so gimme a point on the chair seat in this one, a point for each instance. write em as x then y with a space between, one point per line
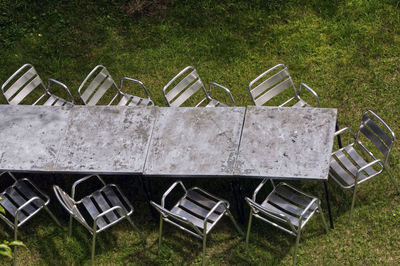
130 100
345 163
301 103
15 196
285 201
195 206
101 201
215 103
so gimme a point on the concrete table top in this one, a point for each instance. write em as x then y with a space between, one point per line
106 139
195 141
31 136
286 143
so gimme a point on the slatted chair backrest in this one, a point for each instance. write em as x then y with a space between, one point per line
189 83
377 131
70 205
98 87
26 81
271 83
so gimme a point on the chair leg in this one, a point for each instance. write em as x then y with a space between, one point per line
393 180
15 247
204 249
70 226
352 203
160 236
234 222
93 246
52 216
322 216
248 229
296 247
137 229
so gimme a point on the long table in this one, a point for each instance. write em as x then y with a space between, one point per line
257 142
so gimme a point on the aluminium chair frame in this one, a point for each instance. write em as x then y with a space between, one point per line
271 81
185 224
374 161
88 97
70 205
14 91
179 94
33 198
277 216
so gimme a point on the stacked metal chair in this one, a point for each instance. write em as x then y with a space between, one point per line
186 84
275 81
99 87
21 201
196 212
97 211
286 208
365 157
27 82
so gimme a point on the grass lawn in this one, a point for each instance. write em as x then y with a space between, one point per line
347 51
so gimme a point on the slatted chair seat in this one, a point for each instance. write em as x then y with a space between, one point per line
286 208
355 163
276 81
99 88
197 212
27 82
97 211
21 201
186 85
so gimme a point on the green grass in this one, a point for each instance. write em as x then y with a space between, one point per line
347 51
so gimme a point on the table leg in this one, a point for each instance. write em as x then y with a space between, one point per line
238 199
339 139
328 204
148 191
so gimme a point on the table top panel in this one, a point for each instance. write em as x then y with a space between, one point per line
195 141
31 137
106 139
286 143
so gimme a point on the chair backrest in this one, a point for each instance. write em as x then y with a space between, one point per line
377 131
188 83
271 83
69 205
99 88
22 83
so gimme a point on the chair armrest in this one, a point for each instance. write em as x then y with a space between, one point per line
259 188
210 84
169 191
36 198
134 81
307 208
76 183
49 81
310 90
221 202
108 211
377 161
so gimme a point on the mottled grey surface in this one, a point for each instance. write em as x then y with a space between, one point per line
287 143
106 139
31 136
195 141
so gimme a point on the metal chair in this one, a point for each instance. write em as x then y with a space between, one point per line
275 81
99 87
286 208
186 84
356 162
26 81
97 211
21 201
196 212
